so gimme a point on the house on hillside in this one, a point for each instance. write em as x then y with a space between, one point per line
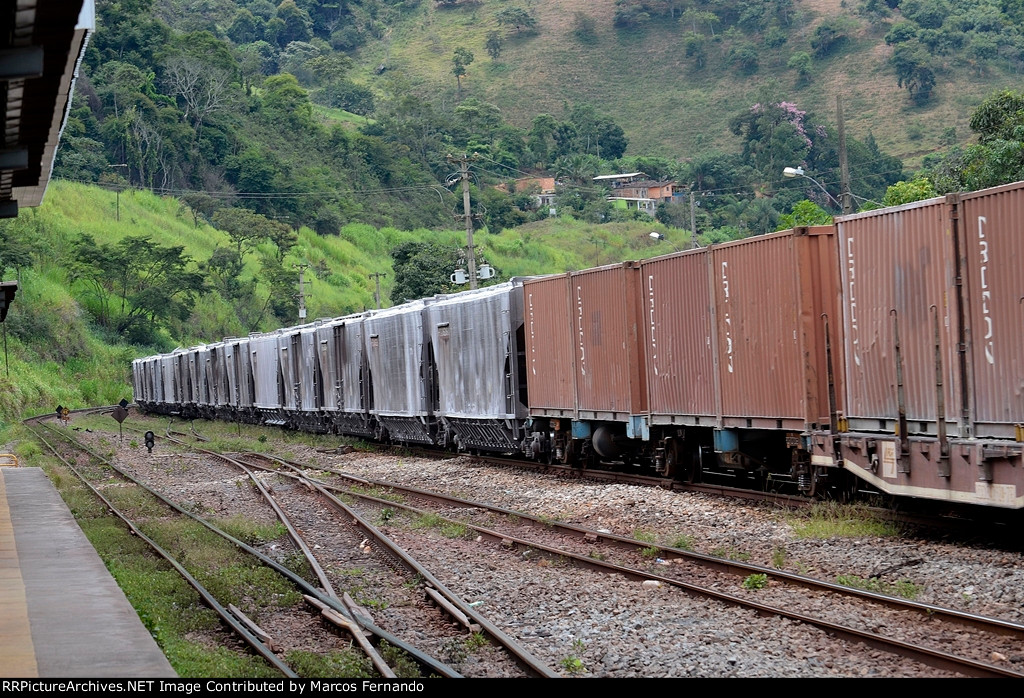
542 189
636 191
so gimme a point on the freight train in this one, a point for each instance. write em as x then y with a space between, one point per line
885 349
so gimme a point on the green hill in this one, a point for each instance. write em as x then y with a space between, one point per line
668 105
60 353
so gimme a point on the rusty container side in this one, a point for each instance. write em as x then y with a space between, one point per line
677 338
993 248
822 309
769 316
898 271
549 346
611 380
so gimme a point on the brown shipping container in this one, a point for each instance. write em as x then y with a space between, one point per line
609 360
993 246
678 340
773 294
898 268
549 346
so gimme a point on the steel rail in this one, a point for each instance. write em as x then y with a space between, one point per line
743 569
523 656
229 618
924 655
423 659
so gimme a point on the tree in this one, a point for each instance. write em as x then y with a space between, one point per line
998 157
297 24
203 88
246 229
422 269
493 44
201 204
745 56
696 48
804 212
136 283
283 301
461 58
1000 117
913 71
500 211
830 34
244 27
693 17
284 98
15 251
802 63
906 192
516 17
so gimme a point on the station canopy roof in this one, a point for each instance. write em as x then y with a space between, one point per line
41 45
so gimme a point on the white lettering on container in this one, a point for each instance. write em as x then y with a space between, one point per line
726 319
986 294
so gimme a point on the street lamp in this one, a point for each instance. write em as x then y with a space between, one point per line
661 236
799 172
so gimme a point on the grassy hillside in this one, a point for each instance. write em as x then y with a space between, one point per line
59 355
666 105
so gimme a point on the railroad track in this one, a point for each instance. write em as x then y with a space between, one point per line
369 537
942 638
647 562
101 475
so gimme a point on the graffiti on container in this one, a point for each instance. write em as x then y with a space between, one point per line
986 294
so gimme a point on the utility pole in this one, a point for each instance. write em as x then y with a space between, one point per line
844 170
118 191
376 275
693 224
467 215
302 289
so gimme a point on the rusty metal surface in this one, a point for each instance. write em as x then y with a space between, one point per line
611 379
549 345
771 292
677 318
993 248
898 273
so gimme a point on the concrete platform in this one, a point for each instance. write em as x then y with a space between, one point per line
61 613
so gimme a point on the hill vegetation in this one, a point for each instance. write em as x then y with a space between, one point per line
216 151
91 297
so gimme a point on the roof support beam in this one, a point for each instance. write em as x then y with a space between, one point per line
20 63
14 159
